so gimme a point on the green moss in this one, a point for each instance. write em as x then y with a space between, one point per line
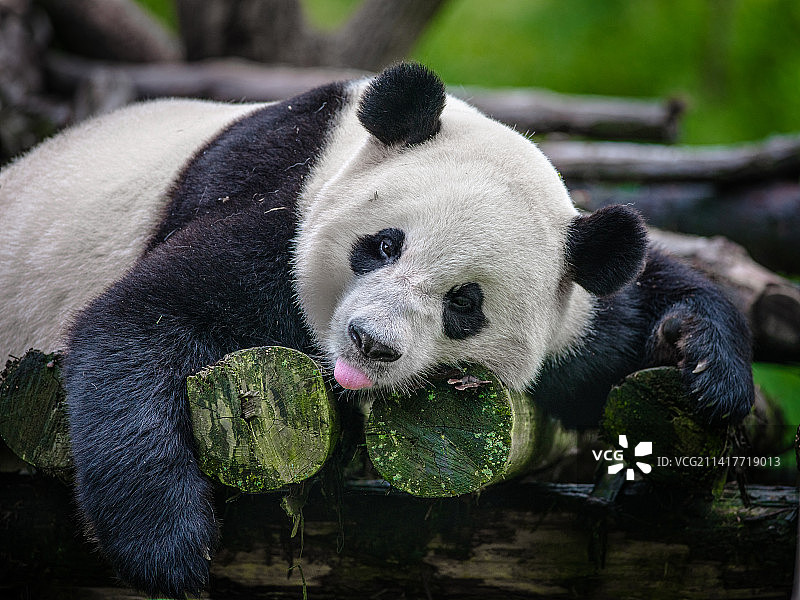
262 418
651 405
443 441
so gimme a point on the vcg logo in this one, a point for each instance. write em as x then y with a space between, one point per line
617 458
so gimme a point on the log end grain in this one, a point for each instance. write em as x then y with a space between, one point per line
33 412
452 437
262 418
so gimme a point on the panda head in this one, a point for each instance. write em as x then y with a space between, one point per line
432 235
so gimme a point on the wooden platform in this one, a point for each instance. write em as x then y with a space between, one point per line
516 540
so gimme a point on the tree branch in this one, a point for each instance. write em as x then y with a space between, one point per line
112 30
381 32
763 216
236 79
617 161
276 32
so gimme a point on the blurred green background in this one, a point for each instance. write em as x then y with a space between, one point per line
736 64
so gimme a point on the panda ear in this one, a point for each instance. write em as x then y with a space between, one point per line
606 250
403 104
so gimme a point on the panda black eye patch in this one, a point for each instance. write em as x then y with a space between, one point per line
462 314
372 252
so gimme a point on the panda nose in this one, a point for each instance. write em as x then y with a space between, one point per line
370 347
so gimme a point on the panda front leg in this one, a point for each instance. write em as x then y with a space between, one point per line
651 311
697 329
137 483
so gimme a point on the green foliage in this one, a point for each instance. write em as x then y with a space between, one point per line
782 383
329 14
163 10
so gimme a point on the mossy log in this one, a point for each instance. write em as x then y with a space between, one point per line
520 539
457 435
33 412
262 418
651 406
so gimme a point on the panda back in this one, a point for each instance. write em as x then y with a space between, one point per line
82 207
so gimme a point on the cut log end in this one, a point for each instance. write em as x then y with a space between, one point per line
33 412
652 405
262 418
453 437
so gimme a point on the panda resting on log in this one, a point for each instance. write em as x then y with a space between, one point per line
379 224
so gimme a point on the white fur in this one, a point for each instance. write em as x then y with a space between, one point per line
78 210
478 203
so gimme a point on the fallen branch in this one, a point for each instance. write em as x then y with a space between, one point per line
652 405
459 435
221 79
764 217
236 79
112 30
541 112
262 418
618 161
33 413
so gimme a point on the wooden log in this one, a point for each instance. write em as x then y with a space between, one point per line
33 412
276 31
262 418
649 415
517 540
112 30
770 302
778 156
459 435
762 216
236 79
220 79
539 112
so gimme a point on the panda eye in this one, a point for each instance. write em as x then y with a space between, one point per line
387 248
462 314
372 252
461 302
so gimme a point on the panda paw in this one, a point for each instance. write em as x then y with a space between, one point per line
714 359
166 568
157 532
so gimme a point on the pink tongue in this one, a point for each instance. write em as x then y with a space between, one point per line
349 377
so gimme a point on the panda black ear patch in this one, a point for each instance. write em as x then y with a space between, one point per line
606 250
403 104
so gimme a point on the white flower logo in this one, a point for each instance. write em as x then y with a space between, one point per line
642 449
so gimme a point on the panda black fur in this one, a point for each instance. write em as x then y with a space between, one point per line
382 225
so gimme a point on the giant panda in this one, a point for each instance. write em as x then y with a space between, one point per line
379 224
